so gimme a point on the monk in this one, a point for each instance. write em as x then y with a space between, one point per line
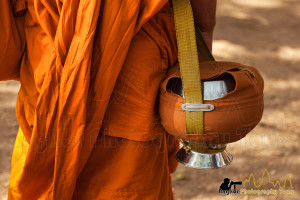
87 106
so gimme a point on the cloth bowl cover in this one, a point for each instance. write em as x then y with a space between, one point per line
234 115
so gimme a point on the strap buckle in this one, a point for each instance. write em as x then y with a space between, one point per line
197 107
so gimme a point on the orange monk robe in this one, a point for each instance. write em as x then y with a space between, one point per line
134 163
75 51
12 40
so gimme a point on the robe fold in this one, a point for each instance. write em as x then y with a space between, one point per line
12 39
78 53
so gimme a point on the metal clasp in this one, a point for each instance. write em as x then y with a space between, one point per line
197 107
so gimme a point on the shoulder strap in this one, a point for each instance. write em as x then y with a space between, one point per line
189 64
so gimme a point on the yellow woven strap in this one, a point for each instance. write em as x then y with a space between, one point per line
189 64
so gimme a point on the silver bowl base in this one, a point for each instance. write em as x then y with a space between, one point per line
203 161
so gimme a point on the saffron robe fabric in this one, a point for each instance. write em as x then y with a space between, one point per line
74 54
12 40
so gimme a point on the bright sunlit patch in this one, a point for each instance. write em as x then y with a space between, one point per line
239 15
289 54
227 50
260 3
